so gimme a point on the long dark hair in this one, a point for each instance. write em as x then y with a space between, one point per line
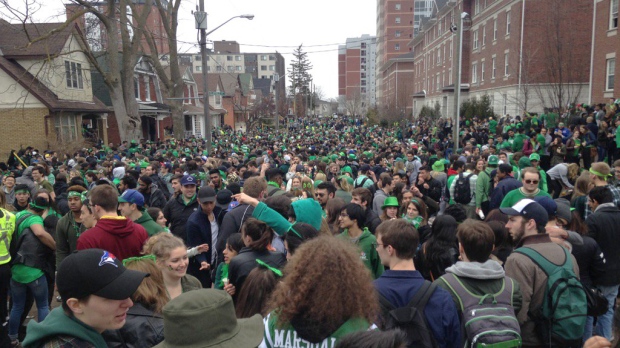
255 292
259 232
443 238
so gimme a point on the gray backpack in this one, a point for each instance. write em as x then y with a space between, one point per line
489 320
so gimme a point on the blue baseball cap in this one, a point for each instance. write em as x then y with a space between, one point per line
529 209
188 180
132 197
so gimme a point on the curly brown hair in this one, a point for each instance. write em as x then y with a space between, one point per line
336 288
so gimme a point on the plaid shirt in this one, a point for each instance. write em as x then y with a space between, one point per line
67 342
472 187
614 191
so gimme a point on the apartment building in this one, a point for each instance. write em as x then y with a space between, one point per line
525 55
356 71
605 49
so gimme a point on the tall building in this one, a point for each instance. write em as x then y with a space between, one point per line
606 47
356 72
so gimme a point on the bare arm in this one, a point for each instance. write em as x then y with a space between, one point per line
43 236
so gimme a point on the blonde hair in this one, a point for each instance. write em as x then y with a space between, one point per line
320 176
307 186
151 293
162 244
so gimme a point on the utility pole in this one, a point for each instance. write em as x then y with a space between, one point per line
202 26
457 85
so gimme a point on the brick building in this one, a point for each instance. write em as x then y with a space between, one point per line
605 49
356 73
521 54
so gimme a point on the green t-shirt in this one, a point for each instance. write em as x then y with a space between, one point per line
577 147
22 273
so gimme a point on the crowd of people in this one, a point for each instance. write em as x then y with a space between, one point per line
332 234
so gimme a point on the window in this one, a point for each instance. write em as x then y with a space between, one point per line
147 88
507 22
474 73
230 69
363 75
73 73
263 68
136 87
272 57
495 29
493 68
476 39
238 58
397 33
438 56
397 7
397 20
363 90
611 73
482 72
363 53
198 68
272 68
450 76
218 68
397 47
437 86
505 103
238 68
506 72
263 57
363 45
363 82
613 20
65 128
484 35
229 58
477 7
198 58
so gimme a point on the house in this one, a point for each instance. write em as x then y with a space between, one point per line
47 98
219 115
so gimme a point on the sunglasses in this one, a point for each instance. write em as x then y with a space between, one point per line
535 182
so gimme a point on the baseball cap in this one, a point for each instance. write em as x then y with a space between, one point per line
206 194
493 160
132 197
96 272
563 211
548 203
529 209
223 198
534 157
188 180
365 168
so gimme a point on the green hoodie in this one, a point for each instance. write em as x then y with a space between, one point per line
56 324
306 210
287 336
368 253
152 228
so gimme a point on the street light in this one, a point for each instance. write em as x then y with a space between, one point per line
201 24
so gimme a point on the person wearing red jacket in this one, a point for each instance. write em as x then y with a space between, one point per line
116 234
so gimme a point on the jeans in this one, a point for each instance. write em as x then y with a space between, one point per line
18 294
587 332
604 322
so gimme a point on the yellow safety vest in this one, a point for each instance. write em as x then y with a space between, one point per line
7 229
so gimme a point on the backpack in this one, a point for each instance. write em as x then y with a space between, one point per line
490 319
372 189
462 189
410 318
562 317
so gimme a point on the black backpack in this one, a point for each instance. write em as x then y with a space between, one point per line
372 189
410 318
462 190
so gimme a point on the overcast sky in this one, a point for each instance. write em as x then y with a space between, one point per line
278 25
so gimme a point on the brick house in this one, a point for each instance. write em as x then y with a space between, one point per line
605 49
47 96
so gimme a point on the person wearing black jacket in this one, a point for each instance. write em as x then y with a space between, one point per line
362 197
152 170
254 187
602 227
428 187
153 196
178 210
203 228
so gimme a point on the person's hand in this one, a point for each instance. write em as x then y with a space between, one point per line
203 248
230 289
597 342
243 198
264 167
426 186
204 266
304 194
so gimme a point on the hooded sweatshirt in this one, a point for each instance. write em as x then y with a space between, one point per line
368 253
56 324
152 228
308 332
306 210
116 234
480 279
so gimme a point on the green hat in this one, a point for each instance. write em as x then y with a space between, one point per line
534 157
317 182
346 169
348 178
493 161
352 156
524 162
390 202
438 166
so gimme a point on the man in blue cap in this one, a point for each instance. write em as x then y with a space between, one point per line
178 209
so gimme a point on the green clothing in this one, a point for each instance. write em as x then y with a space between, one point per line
220 273
542 185
368 253
483 187
492 127
504 145
514 196
306 210
22 273
577 147
287 336
152 228
67 233
540 139
552 120
56 324
617 139
517 143
448 185
7 230
44 185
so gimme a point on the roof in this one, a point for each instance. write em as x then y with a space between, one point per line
212 79
44 94
15 39
230 84
264 85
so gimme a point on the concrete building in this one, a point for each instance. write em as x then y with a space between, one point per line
522 54
356 72
606 48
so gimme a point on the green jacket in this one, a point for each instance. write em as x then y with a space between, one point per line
287 336
492 127
517 144
306 210
56 324
152 228
483 186
542 185
514 196
368 253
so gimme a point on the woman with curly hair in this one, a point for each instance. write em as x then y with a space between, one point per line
321 312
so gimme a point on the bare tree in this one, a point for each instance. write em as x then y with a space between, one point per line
352 102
